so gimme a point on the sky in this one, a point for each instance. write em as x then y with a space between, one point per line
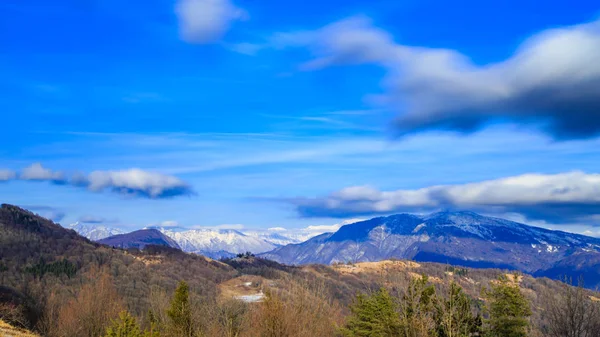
260 114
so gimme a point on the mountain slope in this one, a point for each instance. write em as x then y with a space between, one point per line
140 239
94 232
458 238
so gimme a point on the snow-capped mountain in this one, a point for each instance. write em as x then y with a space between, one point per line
94 232
458 238
217 243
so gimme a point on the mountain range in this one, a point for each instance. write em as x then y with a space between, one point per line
94 232
457 238
213 243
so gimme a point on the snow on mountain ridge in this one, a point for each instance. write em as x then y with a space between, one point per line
94 232
218 242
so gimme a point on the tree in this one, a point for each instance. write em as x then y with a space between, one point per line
91 312
454 314
508 310
180 313
373 316
571 313
416 308
126 326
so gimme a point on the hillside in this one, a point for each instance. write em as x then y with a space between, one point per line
38 258
457 238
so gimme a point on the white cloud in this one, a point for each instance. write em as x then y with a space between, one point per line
206 21
38 172
6 175
138 183
132 182
169 223
555 198
552 82
277 229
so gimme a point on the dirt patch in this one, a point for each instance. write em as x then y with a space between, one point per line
149 260
10 331
248 288
514 278
375 267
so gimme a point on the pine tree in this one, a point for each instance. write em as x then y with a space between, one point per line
373 316
179 313
508 310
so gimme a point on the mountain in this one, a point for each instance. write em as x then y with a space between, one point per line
457 238
94 232
217 243
140 239
213 243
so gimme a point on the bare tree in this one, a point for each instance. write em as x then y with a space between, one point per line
572 313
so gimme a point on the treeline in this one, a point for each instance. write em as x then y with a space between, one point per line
417 310
420 311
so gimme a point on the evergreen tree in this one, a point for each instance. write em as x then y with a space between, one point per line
180 313
508 310
125 326
373 316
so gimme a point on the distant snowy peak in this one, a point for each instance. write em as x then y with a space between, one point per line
94 232
217 242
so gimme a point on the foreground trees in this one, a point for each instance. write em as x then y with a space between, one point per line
508 310
421 312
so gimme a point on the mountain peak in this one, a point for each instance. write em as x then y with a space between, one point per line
139 239
456 237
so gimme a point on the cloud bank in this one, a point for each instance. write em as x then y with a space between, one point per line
132 182
206 21
551 83
558 198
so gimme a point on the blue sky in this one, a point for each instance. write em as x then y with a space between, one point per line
273 113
